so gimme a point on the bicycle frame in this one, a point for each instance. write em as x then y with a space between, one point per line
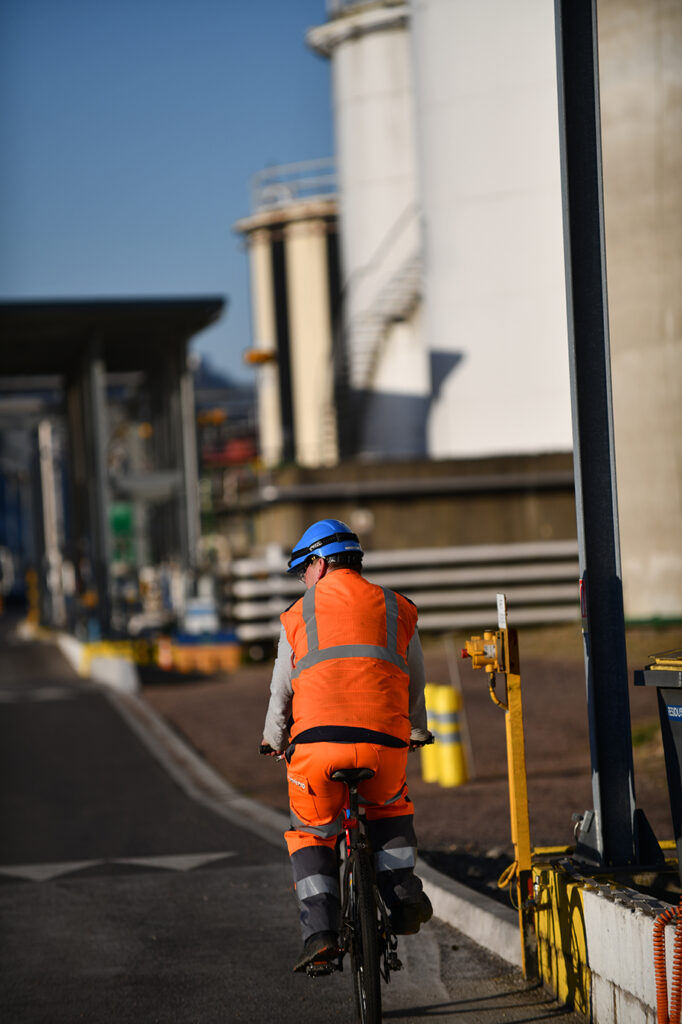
358 846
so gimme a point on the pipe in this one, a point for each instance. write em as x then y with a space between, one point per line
676 982
662 1015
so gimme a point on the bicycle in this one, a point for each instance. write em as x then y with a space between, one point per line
365 932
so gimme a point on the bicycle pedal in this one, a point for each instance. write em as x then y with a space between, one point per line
394 962
318 970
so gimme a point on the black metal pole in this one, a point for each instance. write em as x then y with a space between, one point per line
607 834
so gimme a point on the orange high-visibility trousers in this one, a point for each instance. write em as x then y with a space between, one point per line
317 818
317 802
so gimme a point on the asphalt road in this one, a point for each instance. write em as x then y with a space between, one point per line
122 899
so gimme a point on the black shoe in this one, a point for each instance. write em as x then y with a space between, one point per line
408 917
318 948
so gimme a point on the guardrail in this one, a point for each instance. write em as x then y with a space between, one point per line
287 183
453 588
335 8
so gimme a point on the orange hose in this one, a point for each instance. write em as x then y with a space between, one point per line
676 983
659 964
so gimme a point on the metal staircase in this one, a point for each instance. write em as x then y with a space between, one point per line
395 302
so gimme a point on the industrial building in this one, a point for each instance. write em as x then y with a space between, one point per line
449 330
99 458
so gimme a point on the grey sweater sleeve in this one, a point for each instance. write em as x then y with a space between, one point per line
276 729
415 664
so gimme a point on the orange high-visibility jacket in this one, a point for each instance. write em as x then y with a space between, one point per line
349 639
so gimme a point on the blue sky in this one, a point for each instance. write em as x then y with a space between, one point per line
130 129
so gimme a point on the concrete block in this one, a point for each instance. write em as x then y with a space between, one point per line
118 673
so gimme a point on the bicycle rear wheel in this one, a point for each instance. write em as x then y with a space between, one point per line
364 953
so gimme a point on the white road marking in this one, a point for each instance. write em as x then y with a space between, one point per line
43 872
181 862
175 862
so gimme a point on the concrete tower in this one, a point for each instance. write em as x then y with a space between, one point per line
640 54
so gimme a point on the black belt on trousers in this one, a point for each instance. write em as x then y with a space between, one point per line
344 734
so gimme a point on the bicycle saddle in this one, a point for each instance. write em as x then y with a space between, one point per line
352 775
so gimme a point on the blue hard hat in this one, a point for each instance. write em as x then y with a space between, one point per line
326 537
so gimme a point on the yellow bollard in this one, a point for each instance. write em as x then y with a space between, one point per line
430 755
452 769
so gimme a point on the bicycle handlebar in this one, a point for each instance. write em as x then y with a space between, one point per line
416 744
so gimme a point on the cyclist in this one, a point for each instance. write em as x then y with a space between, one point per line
347 691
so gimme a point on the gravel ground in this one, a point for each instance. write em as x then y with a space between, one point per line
462 831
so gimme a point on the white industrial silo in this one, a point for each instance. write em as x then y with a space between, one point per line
488 149
387 380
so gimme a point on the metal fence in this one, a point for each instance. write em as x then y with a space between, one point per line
453 588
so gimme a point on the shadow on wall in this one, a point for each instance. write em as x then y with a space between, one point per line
393 425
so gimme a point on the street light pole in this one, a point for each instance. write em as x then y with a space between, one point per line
607 833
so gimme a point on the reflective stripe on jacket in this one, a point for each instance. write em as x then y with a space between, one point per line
349 639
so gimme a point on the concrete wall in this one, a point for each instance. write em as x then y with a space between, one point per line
595 942
415 513
640 53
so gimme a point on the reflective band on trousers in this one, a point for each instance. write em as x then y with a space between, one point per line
314 885
397 857
386 803
322 831
315 656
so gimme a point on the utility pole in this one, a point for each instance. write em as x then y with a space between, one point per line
607 832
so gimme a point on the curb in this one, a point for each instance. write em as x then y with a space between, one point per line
116 672
480 918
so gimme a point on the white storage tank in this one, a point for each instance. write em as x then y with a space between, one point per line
387 371
495 310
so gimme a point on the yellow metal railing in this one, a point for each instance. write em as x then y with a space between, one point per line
498 652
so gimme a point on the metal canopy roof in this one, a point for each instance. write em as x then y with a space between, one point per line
48 337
